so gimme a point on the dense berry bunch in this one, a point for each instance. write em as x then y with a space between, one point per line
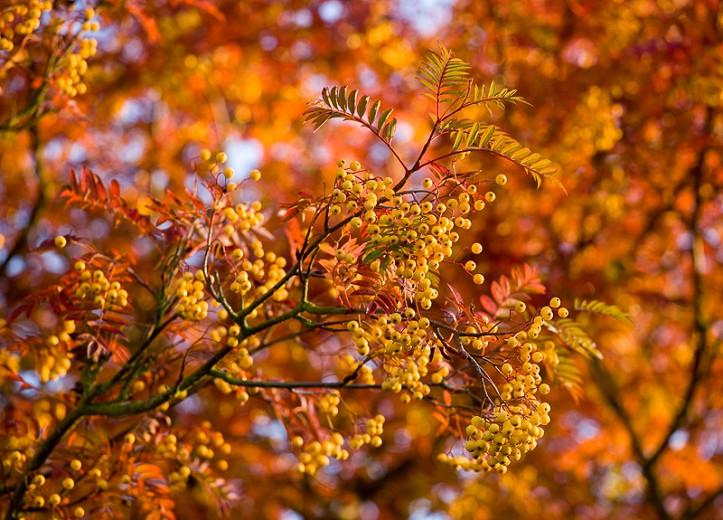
372 435
192 303
318 454
94 287
54 357
413 237
73 65
20 20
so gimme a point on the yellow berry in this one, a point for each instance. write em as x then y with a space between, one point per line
221 157
75 465
68 483
490 196
478 279
60 242
501 179
546 313
255 175
78 512
470 265
228 172
555 302
476 248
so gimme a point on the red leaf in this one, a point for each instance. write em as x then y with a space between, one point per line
489 305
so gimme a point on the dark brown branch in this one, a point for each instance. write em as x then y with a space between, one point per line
700 328
610 393
22 239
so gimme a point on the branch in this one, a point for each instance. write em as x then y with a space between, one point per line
610 393
292 385
22 239
693 512
700 327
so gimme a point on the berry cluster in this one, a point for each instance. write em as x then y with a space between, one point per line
54 358
408 238
191 296
373 435
213 164
21 20
257 277
404 345
46 494
73 66
95 287
506 436
316 454
329 403
515 424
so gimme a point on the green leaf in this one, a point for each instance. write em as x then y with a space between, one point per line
383 117
362 106
489 132
388 131
574 336
373 111
599 307
332 97
372 255
341 98
444 76
458 136
351 102
568 374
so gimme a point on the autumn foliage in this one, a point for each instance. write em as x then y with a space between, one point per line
361 260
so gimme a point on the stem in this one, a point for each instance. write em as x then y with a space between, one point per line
22 239
291 385
700 327
46 448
